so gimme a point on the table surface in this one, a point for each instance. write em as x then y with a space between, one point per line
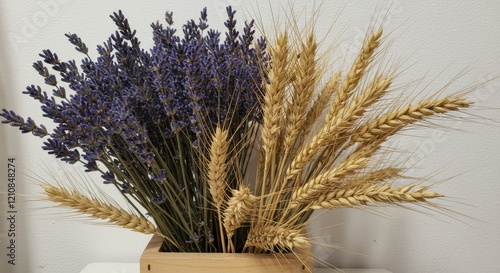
134 268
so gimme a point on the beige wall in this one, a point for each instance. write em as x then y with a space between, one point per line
428 38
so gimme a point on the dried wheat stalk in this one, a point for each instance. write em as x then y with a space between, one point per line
321 102
98 209
101 210
367 97
374 177
272 108
240 207
306 76
217 174
355 74
390 123
355 182
270 237
371 194
343 119
279 77
217 167
336 165
316 186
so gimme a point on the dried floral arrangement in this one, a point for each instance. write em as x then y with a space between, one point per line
173 128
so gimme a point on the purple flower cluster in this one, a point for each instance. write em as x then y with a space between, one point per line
128 97
143 117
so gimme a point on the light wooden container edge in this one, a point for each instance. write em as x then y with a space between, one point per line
154 261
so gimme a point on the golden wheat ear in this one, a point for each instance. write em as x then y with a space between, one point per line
371 195
239 209
270 236
396 119
95 208
356 73
217 166
274 94
217 174
319 104
316 186
305 76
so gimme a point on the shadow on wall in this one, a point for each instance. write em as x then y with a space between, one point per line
355 238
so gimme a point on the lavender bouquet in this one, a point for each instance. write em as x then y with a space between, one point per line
142 117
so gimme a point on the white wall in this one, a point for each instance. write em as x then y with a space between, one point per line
431 37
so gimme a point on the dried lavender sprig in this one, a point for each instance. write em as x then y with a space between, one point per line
137 115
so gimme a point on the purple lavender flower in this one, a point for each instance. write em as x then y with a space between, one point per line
140 116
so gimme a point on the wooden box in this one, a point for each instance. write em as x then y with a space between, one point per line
154 261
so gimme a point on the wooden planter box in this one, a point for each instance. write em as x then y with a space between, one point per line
154 261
